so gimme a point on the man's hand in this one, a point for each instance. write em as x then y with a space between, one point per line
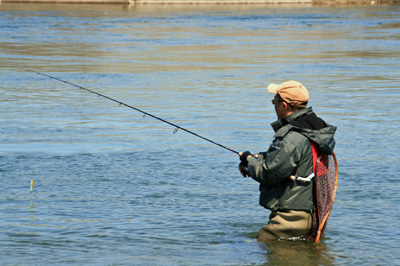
243 163
244 156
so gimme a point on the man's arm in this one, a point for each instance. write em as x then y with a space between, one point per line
278 164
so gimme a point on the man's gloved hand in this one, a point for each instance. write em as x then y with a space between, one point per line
243 157
243 163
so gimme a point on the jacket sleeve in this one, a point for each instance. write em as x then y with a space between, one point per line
279 163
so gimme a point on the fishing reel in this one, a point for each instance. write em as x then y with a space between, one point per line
243 169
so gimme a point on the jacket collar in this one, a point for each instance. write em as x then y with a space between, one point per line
277 125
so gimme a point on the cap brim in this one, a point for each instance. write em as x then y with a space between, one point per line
272 88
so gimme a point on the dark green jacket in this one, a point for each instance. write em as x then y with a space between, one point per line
291 154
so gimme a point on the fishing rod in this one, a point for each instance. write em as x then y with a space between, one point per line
137 109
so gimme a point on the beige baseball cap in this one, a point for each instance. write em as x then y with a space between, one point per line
292 92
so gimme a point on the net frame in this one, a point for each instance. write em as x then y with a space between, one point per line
325 187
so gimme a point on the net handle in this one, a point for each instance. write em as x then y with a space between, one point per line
322 223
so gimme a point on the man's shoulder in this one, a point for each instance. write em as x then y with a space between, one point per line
294 140
289 131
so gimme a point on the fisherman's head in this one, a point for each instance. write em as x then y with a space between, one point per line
290 96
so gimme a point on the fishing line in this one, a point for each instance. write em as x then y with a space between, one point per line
137 109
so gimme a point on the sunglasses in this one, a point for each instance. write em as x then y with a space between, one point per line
275 100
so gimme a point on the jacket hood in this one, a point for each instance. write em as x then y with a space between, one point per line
306 122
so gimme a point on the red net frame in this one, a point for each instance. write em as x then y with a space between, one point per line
325 187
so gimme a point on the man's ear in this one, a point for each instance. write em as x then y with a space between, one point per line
286 105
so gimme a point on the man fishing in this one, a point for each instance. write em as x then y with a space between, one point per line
285 171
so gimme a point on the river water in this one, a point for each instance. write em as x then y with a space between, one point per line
112 187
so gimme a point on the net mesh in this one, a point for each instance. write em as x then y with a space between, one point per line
325 185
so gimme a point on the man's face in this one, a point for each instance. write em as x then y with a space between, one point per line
279 106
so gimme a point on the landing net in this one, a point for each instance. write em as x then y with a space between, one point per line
325 186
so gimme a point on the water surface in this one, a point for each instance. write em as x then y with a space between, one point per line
115 188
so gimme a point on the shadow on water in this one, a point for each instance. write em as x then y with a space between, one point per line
296 253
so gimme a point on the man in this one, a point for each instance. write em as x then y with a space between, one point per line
285 171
